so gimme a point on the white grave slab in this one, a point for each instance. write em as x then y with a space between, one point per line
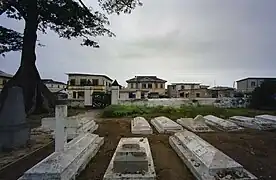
221 124
131 155
253 123
67 164
196 125
165 125
75 125
266 117
204 160
140 125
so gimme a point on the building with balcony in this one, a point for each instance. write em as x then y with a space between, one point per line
188 90
78 83
147 86
248 85
4 78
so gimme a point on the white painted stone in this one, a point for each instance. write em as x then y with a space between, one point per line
221 124
246 122
88 97
68 164
60 134
196 125
204 160
143 144
74 125
140 125
165 125
266 117
114 94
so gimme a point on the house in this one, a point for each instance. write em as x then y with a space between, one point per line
248 85
79 82
4 78
188 90
148 86
54 86
220 92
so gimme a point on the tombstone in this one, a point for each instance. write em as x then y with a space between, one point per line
115 88
132 160
14 130
69 163
204 160
266 117
221 124
165 125
196 125
140 125
246 122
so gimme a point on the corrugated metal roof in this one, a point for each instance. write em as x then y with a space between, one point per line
3 74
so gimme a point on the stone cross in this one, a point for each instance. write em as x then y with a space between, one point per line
60 132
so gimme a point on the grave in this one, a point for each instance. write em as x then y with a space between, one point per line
253 123
266 117
165 125
67 164
221 124
196 125
14 130
140 125
74 125
132 160
204 160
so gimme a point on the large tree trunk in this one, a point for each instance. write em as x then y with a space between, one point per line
36 94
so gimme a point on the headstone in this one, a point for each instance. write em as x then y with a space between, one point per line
196 125
69 163
60 133
140 125
115 88
14 130
204 160
221 124
165 125
132 160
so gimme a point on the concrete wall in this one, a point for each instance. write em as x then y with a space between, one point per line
75 103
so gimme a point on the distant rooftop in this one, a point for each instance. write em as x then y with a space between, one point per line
87 74
146 79
186 83
52 81
219 88
265 78
3 74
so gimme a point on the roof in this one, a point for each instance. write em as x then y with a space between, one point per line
264 78
221 88
146 79
51 81
3 74
87 74
115 83
183 83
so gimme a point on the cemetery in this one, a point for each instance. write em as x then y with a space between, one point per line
140 125
165 125
221 124
196 125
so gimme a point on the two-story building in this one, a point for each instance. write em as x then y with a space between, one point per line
247 85
149 86
188 90
4 78
79 82
222 92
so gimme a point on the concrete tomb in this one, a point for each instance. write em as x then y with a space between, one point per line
74 125
221 124
204 160
132 160
196 125
67 164
140 125
165 125
14 130
252 123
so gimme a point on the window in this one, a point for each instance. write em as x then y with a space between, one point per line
197 94
150 86
131 85
88 83
182 87
161 86
4 81
173 87
187 95
95 82
253 84
131 95
83 82
74 94
81 94
72 82
58 86
156 85
144 86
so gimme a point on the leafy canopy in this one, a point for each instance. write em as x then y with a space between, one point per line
68 18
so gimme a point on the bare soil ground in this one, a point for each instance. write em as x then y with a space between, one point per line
255 150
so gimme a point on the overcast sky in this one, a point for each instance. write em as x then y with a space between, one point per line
207 41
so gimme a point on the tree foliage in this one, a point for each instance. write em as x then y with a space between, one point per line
68 18
264 97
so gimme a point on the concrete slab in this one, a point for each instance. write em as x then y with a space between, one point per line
196 125
221 124
140 125
132 160
68 164
165 125
266 117
204 160
246 122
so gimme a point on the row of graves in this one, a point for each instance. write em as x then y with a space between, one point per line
132 158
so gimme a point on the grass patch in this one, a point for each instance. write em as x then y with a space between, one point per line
114 111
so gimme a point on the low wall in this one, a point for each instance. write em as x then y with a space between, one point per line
175 102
